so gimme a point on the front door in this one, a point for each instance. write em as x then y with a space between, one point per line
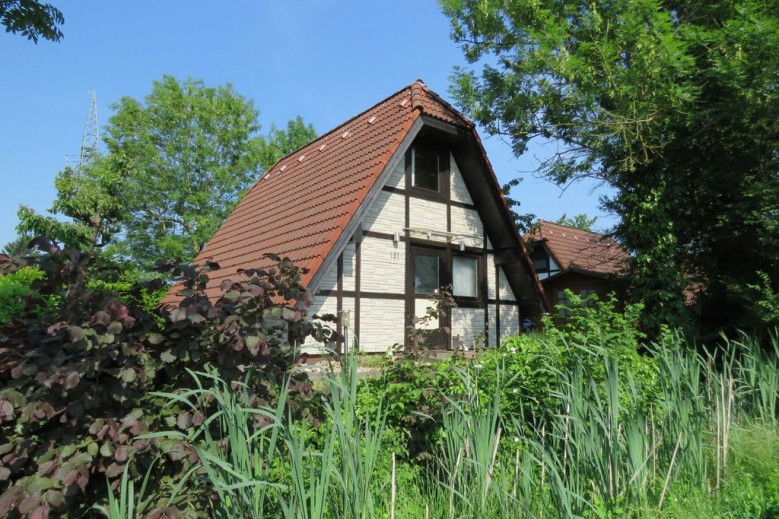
427 274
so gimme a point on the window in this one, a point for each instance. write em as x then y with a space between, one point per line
425 168
433 268
540 261
465 275
587 294
427 273
562 300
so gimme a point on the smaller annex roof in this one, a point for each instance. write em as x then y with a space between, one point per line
581 251
302 205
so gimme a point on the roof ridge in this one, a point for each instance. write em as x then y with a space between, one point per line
446 104
417 91
576 229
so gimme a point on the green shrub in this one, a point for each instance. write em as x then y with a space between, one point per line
15 290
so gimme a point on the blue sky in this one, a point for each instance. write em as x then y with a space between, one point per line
326 60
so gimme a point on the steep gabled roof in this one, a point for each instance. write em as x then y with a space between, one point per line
303 204
576 250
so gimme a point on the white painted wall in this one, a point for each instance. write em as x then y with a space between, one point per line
426 214
387 214
382 324
467 323
467 221
509 320
383 264
506 294
457 184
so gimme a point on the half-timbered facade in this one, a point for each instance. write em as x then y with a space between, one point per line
383 211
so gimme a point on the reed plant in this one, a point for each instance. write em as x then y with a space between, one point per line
609 444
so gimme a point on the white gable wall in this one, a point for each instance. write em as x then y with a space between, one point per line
379 299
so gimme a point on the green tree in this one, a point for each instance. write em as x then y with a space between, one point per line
579 221
279 143
186 154
91 198
673 104
19 246
176 165
32 19
522 221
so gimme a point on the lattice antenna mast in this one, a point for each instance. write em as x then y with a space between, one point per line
89 141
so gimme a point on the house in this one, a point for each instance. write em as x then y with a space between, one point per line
584 262
384 210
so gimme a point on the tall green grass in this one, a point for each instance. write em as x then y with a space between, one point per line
700 436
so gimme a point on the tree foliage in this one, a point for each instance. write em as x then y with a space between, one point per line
279 143
185 155
673 104
176 165
32 19
19 246
579 221
522 221
91 198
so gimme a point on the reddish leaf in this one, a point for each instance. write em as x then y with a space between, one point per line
72 380
56 327
178 314
9 499
102 317
121 454
29 503
114 470
42 512
76 333
70 478
47 468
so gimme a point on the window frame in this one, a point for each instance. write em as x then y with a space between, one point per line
442 269
444 170
478 261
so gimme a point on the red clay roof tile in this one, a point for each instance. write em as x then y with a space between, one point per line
578 250
302 204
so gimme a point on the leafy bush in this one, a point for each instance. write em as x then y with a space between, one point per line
15 289
531 365
77 386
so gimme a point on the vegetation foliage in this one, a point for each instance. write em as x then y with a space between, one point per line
32 19
104 408
77 380
177 162
579 221
672 104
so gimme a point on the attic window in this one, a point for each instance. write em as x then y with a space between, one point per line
425 168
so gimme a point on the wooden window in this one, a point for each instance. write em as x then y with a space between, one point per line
465 276
562 301
585 293
425 168
427 272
